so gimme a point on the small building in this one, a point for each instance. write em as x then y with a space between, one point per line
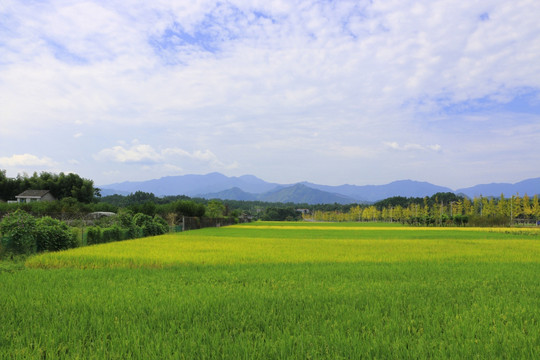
34 195
99 214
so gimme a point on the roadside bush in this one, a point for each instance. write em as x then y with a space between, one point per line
161 224
23 234
18 230
93 236
141 219
53 235
111 234
151 226
125 218
134 232
77 235
128 226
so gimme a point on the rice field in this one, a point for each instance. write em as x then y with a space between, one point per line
281 291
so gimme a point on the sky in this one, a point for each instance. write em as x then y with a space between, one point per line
331 92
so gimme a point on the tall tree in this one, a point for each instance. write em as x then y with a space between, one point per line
535 207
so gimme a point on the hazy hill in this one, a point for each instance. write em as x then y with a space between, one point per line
371 193
231 194
249 187
530 187
193 185
300 193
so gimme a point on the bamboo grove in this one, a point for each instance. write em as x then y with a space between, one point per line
435 211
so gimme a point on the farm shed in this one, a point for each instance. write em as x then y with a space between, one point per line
34 195
99 214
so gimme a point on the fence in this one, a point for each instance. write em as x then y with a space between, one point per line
83 221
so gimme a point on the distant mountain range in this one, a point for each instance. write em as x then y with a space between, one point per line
249 187
298 193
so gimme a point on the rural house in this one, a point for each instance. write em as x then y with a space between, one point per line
34 195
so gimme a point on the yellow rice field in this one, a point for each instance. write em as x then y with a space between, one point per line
260 244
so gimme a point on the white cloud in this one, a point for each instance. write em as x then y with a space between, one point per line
250 80
135 154
412 147
26 160
146 154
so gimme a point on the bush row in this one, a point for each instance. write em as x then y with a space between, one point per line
24 234
128 226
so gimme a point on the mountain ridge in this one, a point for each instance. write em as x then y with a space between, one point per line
250 187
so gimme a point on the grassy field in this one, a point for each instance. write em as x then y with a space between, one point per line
281 290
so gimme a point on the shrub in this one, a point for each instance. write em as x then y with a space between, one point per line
141 219
93 236
125 218
19 230
150 226
111 234
134 232
161 224
53 235
497 220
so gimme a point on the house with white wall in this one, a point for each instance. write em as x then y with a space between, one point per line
34 195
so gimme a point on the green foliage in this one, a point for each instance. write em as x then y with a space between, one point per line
61 186
19 232
110 234
26 235
125 218
215 209
54 235
148 208
93 235
496 220
281 214
404 202
126 226
141 220
98 235
151 226
186 208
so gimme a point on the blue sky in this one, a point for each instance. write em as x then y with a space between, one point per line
332 92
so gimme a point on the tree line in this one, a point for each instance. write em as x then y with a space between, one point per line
60 185
442 209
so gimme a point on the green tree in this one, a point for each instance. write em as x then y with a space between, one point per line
527 210
535 208
215 209
186 208
503 208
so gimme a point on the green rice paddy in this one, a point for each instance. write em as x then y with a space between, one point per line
280 291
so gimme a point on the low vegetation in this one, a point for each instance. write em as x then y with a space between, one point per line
23 234
441 209
281 290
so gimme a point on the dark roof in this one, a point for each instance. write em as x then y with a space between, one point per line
28 193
